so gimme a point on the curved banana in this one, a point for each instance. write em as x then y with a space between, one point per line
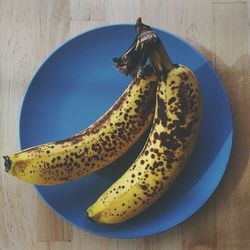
94 148
170 143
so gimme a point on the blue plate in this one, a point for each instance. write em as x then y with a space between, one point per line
77 84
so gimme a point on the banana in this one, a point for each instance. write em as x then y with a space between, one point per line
169 145
97 146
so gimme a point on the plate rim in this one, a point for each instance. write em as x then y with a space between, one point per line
227 157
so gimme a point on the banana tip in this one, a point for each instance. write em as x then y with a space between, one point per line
90 218
7 163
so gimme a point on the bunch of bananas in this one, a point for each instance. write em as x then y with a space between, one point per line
164 96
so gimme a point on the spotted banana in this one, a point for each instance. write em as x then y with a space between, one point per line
169 145
98 145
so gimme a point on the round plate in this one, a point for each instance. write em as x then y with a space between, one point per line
77 84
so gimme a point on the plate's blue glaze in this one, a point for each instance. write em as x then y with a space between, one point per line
77 84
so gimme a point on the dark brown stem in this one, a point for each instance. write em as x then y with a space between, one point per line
158 55
134 58
147 45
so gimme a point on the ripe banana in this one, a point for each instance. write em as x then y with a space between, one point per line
94 148
169 145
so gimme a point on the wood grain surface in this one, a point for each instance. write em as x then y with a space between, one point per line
30 30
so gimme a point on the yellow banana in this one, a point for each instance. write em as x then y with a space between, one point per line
170 143
94 148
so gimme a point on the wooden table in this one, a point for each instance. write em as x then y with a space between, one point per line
219 29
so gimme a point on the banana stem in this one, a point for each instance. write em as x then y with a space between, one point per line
157 54
147 45
134 58
160 59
